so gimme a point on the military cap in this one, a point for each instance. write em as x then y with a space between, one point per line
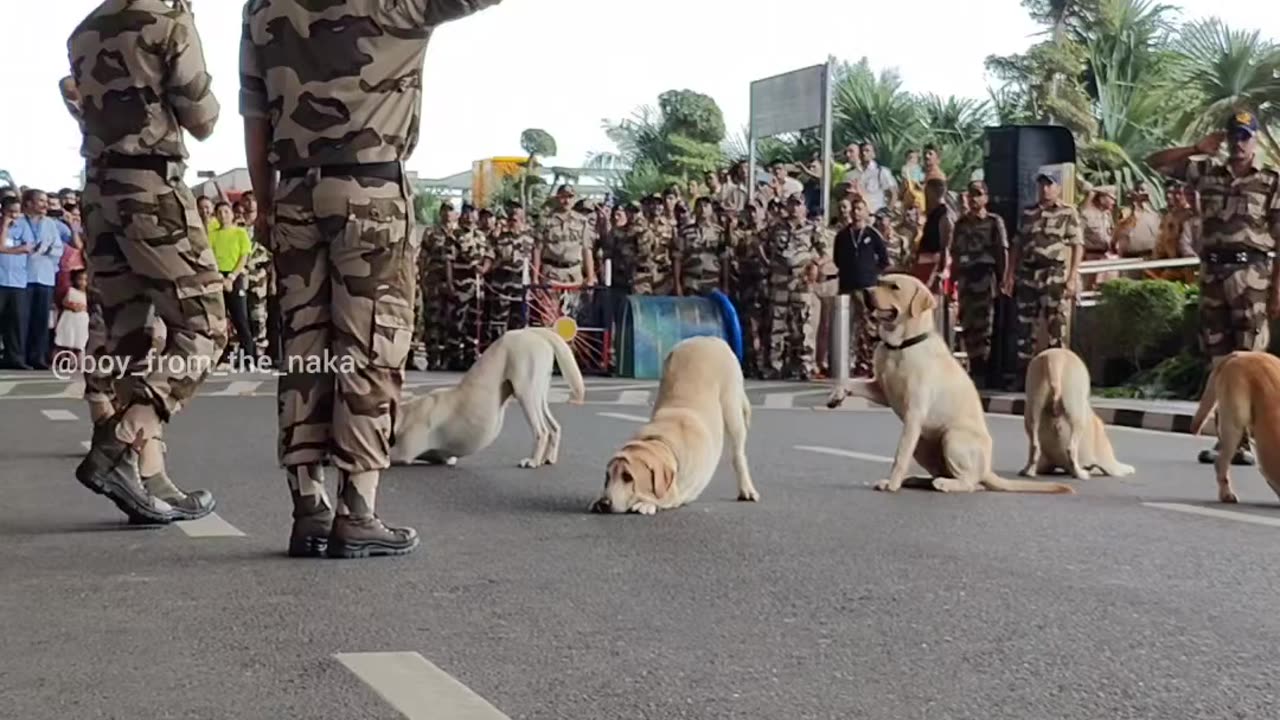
1243 121
468 207
1108 190
565 190
1049 175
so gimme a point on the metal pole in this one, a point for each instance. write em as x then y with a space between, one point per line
751 147
827 85
838 347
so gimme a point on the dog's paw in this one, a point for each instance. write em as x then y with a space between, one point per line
946 485
1028 471
644 508
527 463
1227 497
451 461
836 399
1123 470
751 495
885 486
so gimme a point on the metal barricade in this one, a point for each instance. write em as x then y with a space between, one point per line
838 352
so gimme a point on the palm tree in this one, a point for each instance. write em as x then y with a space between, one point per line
956 126
875 108
1228 70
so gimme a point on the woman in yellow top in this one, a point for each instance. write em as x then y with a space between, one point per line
232 248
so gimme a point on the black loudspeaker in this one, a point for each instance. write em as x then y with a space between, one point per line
1014 156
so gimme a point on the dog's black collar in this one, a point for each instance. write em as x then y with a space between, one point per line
908 342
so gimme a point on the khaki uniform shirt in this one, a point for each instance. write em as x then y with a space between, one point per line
1237 213
1048 234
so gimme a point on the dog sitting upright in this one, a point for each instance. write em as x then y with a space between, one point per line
943 425
1245 390
449 423
1063 431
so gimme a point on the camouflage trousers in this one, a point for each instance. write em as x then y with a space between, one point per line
754 315
1233 307
865 337
430 319
1041 294
467 303
694 284
976 288
345 267
258 275
504 307
792 336
148 257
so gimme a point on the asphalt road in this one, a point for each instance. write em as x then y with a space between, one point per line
825 600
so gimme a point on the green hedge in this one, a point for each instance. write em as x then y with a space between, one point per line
1153 326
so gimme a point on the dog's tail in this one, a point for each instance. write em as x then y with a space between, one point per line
995 482
1055 387
1208 400
568 364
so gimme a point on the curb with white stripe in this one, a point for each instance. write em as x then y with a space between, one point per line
1160 421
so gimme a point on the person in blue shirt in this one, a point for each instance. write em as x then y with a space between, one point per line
45 237
13 288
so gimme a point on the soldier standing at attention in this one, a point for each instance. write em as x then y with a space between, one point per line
751 288
147 249
1045 266
512 253
659 239
331 94
1240 226
433 277
563 254
701 251
796 251
981 251
469 258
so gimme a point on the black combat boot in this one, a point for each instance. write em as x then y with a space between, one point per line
111 468
354 537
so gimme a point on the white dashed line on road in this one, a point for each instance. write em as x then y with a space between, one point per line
779 401
1214 513
209 526
418 689
845 453
6 387
238 388
74 390
86 445
624 416
60 415
633 397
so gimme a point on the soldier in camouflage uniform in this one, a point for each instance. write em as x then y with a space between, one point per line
1045 265
258 275
701 250
512 257
433 279
147 250
334 108
660 243
796 249
980 248
564 252
1240 226
751 289
469 259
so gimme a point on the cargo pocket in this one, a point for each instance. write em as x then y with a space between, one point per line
377 268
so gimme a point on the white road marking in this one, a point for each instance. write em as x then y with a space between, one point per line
73 390
59 415
86 445
779 401
1214 513
845 453
623 416
556 395
625 386
238 388
633 397
5 387
211 525
418 689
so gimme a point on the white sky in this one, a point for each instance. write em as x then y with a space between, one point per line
561 65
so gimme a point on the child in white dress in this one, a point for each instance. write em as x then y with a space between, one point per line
72 332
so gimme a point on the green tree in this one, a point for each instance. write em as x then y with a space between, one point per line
535 143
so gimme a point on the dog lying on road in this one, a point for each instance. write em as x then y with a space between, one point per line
449 423
943 426
670 460
1063 431
1245 390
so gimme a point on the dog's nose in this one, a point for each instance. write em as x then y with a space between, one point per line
602 506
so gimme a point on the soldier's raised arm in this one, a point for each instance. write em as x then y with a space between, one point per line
188 86
429 13
1174 162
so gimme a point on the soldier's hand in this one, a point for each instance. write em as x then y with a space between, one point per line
1006 287
1210 143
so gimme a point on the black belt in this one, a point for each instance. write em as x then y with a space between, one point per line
158 164
389 171
1242 256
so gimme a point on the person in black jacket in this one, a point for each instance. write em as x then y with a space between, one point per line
860 255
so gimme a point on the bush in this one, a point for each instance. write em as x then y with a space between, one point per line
1140 317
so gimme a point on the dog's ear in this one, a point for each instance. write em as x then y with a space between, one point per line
921 302
664 470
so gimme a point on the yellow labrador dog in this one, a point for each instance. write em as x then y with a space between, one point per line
449 423
943 426
1245 390
670 460
1063 431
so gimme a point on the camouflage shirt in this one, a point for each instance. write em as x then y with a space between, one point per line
139 69
702 249
341 82
511 252
793 249
979 240
750 263
623 252
468 251
1048 234
1237 212
565 241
